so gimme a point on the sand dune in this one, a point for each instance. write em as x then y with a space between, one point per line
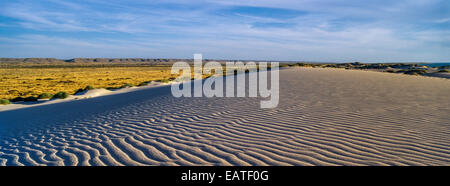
82 95
325 117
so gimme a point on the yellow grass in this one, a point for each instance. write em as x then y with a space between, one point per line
24 82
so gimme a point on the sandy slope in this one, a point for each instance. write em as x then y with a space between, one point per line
325 117
83 95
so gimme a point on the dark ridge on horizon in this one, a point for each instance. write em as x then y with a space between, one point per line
167 60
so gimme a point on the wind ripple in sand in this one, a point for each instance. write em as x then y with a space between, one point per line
325 117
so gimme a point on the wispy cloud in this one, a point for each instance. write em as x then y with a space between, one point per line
443 20
319 30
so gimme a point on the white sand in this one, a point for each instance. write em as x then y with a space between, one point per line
83 95
325 117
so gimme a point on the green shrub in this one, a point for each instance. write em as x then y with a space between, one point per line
45 96
444 71
126 85
89 87
4 102
60 95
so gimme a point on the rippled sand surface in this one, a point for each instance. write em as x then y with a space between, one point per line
325 117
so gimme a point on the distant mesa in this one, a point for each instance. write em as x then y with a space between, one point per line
104 60
88 60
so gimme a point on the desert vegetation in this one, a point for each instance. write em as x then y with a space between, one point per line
4 102
33 81
60 95
40 78
45 96
402 68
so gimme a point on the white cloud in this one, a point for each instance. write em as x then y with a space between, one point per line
443 20
328 31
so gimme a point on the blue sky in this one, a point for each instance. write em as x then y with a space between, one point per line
297 30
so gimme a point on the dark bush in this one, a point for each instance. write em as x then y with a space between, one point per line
89 87
127 85
30 99
60 95
415 72
390 71
18 99
45 96
164 81
144 83
79 91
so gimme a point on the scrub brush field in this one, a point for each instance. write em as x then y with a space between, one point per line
34 81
